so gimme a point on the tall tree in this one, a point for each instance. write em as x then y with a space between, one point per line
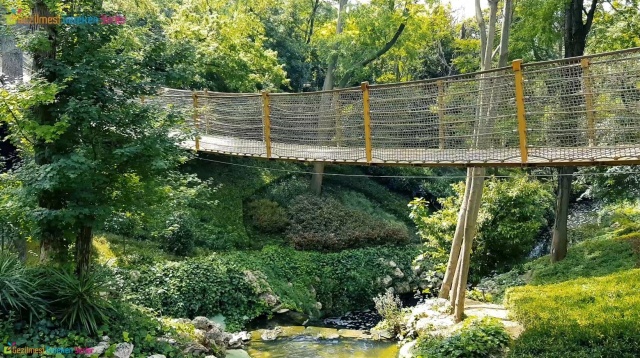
456 275
84 147
578 22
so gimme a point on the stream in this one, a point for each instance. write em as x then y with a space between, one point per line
310 347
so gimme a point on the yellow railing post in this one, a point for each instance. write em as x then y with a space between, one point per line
195 119
522 120
441 113
266 121
588 96
367 120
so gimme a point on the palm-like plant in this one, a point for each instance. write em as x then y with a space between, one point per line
80 301
20 289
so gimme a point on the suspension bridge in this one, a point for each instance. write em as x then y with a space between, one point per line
577 111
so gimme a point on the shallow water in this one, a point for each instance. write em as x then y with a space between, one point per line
309 347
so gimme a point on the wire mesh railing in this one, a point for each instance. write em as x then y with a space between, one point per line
579 110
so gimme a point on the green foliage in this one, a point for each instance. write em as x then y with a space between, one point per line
511 215
389 307
267 216
483 338
584 317
178 237
324 224
79 302
20 289
198 287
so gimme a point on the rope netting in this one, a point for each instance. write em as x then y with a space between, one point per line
575 110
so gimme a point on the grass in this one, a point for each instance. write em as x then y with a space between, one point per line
587 305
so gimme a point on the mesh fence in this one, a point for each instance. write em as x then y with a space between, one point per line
576 110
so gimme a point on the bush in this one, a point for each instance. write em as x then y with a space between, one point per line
79 302
324 224
267 216
389 307
19 288
512 214
476 339
178 237
198 287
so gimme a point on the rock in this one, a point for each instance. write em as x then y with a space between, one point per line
318 306
271 335
392 264
171 341
406 351
202 323
123 350
237 353
283 310
237 339
293 318
398 273
402 287
100 348
181 320
387 281
194 348
157 356
417 270
381 334
105 339
270 299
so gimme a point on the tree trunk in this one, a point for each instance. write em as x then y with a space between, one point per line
318 168
83 249
12 63
559 241
452 265
575 40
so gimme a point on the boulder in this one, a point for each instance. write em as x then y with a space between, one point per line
402 288
194 348
271 334
100 348
202 323
123 350
157 356
406 351
398 273
270 299
392 264
387 281
318 306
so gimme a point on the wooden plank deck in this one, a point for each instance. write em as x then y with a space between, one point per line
496 157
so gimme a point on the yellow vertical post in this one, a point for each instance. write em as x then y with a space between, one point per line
367 120
195 119
588 96
522 120
441 113
266 121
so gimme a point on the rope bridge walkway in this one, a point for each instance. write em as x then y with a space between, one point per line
578 111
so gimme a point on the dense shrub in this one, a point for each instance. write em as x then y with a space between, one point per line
325 224
484 338
178 236
198 287
511 216
267 216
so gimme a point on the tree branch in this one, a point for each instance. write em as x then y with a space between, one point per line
345 79
590 15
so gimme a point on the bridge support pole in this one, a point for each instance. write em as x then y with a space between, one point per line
195 120
441 113
522 120
266 122
588 99
367 120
